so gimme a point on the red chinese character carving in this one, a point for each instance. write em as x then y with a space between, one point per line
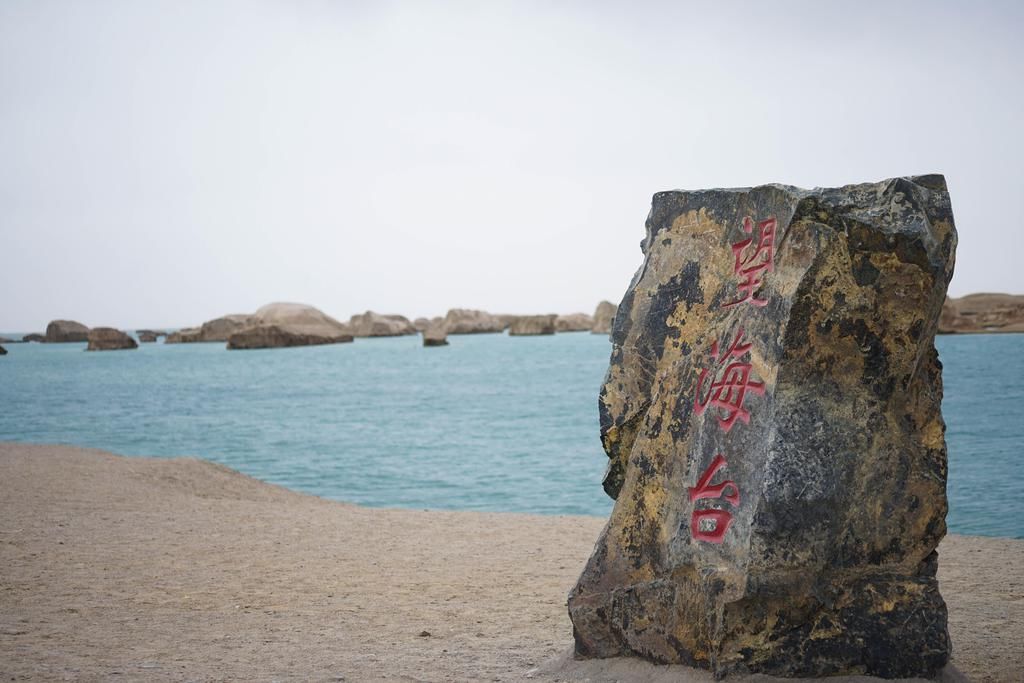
728 393
749 264
704 489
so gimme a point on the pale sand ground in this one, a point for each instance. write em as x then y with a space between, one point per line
147 569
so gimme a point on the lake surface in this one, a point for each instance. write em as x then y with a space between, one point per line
487 423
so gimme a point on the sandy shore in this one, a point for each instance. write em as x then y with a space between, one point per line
118 568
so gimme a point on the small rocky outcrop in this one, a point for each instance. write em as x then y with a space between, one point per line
506 320
771 415
531 325
186 335
281 325
982 313
574 322
372 324
278 336
149 335
435 335
34 337
604 316
216 330
466 321
220 329
3 351
65 331
109 339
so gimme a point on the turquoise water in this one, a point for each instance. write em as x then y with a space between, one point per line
488 423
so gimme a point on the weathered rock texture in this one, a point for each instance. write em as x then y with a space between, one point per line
983 313
530 325
286 324
435 335
421 324
372 324
604 316
831 499
34 337
62 331
574 322
216 330
465 321
109 339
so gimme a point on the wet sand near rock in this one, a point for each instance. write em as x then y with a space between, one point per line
116 568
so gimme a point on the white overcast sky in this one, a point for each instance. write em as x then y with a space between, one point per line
163 163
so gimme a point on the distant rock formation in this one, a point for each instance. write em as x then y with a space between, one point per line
5 340
530 325
285 324
574 322
150 335
278 336
186 335
466 321
976 313
421 324
435 335
506 320
64 331
216 330
372 324
109 339
34 337
604 316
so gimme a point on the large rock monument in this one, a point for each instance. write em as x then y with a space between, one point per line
772 417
